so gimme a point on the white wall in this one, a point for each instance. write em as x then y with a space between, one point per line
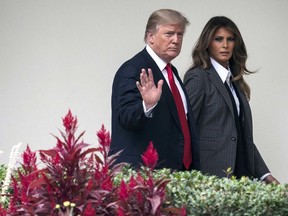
61 54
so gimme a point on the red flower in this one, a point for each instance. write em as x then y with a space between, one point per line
139 179
132 182
107 184
123 193
103 137
69 122
89 210
150 156
29 160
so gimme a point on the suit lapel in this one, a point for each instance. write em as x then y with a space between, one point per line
216 80
167 95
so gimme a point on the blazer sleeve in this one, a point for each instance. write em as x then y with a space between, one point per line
127 99
260 166
256 161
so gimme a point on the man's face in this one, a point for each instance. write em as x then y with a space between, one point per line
166 41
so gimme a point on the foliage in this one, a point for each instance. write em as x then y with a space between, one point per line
3 169
142 189
210 195
72 179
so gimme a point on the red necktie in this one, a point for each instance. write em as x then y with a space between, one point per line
187 159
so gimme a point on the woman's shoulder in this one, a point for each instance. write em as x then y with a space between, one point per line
196 71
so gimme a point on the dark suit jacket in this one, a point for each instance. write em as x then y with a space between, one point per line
132 130
215 120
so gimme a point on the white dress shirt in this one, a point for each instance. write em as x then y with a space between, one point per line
225 76
161 64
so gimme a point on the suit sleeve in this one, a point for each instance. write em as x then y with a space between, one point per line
127 98
260 168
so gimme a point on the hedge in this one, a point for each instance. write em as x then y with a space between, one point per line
210 195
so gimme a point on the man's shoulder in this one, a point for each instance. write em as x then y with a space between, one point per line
139 60
132 66
137 57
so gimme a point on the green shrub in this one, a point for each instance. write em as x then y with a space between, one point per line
210 195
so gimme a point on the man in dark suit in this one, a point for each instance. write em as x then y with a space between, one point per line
144 110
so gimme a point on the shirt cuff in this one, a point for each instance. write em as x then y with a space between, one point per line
264 176
148 113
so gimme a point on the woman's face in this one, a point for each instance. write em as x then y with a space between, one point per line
222 45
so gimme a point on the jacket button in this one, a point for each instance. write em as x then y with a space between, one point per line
233 138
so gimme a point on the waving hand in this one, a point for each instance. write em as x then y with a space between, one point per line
149 91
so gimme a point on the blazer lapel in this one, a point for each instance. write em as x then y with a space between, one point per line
216 80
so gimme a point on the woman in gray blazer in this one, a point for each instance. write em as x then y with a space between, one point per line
219 99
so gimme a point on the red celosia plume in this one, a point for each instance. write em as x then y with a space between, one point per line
150 156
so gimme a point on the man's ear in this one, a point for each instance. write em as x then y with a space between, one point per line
150 37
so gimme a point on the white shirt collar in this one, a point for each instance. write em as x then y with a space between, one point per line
222 71
160 63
